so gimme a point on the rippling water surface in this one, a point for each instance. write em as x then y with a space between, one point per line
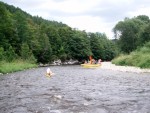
74 89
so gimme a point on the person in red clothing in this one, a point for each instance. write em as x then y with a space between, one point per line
90 57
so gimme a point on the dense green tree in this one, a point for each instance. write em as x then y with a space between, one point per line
143 18
54 40
1 54
6 28
145 35
102 47
96 46
25 36
44 52
64 36
10 54
127 32
79 46
110 51
26 53
21 28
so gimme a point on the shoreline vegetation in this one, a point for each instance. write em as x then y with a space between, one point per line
20 65
33 38
26 41
17 65
138 58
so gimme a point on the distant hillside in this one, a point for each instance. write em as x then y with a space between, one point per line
36 39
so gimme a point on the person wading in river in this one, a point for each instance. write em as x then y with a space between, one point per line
49 72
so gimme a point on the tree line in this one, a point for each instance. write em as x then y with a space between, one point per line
133 40
132 33
35 39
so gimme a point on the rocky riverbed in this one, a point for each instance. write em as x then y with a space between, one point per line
74 89
109 65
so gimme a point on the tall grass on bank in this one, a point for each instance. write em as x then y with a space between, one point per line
17 65
139 58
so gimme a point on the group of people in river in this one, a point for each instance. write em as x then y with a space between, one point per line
93 61
49 73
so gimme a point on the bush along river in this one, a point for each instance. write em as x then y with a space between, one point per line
74 89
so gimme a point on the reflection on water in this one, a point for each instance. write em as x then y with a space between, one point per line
74 89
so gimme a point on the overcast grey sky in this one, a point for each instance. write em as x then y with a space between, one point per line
89 15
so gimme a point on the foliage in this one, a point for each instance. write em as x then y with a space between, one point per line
1 54
33 38
101 47
138 58
10 54
17 65
26 53
131 33
145 35
133 39
79 46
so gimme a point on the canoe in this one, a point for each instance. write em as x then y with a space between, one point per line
90 65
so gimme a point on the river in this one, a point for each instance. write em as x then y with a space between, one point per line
74 89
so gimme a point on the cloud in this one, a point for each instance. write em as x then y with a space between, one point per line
89 15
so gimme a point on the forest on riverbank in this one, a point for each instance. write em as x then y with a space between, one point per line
32 40
133 41
36 40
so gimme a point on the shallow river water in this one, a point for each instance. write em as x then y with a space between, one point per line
74 89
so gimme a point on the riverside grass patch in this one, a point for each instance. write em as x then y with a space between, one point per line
134 59
145 61
17 65
139 58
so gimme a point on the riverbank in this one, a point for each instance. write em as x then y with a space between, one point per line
20 65
17 65
109 65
